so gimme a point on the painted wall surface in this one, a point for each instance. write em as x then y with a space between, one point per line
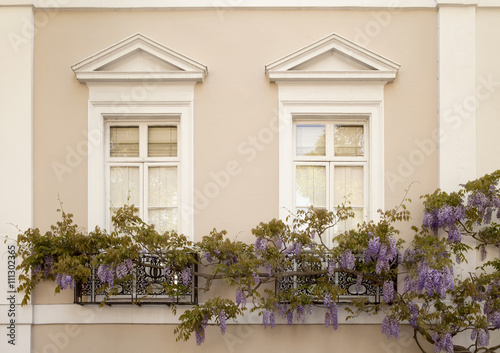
232 106
248 338
488 90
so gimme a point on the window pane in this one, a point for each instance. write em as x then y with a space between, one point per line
124 141
310 140
310 186
349 185
162 186
162 141
124 186
163 219
349 140
350 223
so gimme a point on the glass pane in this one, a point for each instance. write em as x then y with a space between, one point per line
349 140
310 140
124 141
162 141
350 223
163 219
310 186
124 186
162 186
349 185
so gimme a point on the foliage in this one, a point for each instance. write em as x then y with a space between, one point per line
436 303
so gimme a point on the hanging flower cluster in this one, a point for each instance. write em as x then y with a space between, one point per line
382 253
107 274
331 315
442 342
65 281
445 217
391 327
434 281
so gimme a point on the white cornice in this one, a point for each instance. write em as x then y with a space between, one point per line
177 67
243 4
372 66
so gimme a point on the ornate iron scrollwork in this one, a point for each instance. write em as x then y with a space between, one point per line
145 287
305 283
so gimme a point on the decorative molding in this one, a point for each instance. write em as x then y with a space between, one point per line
333 58
222 5
64 314
139 58
142 79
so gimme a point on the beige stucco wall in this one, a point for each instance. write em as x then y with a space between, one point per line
488 94
234 103
249 338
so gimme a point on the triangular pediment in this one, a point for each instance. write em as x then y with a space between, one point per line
333 58
139 58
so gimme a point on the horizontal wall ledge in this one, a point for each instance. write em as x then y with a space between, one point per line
60 314
264 4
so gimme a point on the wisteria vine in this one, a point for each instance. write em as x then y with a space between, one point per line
433 301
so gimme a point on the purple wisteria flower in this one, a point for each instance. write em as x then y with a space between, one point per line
121 270
473 335
347 260
289 317
47 260
454 234
298 248
445 216
483 338
65 281
200 330
208 257
331 315
269 269
282 310
106 275
222 322
279 243
272 319
37 269
129 264
265 318
301 314
494 318
256 278
442 342
331 268
200 336
388 290
383 260
391 327
413 315
393 248
485 203
241 299
260 244
372 249
432 280
186 276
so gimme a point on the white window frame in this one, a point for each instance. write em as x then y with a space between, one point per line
101 114
330 161
143 162
371 113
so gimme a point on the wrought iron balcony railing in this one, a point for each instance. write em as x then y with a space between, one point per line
305 284
145 287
